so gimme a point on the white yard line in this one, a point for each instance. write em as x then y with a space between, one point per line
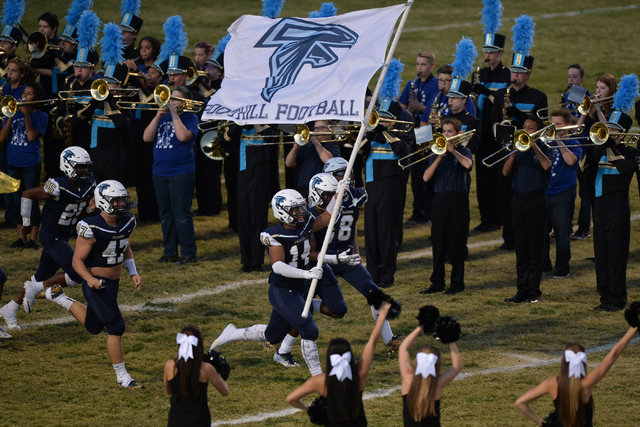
570 13
534 363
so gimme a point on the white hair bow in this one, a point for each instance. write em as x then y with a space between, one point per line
340 365
576 363
426 364
185 351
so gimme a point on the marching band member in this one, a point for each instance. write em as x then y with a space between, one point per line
610 167
66 200
561 195
12 32
450 219
530 170
68 41
16 70
202 51
414 98
440 100
487 82
575 77
130 25
149 48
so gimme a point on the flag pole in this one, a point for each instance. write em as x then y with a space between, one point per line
354 153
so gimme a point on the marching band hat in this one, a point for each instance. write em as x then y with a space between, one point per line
521 63
389 109
116 73
459 88
86 57
69 34
493 42
13 34
177 64
131 23
621 121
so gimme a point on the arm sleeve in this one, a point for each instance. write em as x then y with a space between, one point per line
288 271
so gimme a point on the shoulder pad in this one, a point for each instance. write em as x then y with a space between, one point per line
84 230
52 187
268 240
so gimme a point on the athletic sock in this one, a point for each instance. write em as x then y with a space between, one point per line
287 344
61 299
310 356
387 334
316 304
11 307
69 281
122 375
39 286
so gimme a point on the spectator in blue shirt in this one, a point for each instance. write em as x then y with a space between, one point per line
21 134
174 175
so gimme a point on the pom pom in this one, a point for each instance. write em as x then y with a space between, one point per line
427 318
626 94
318 412
130 6
175 38
12 12
272 8
76 9
522 38
376 297
465 55
632 314
447 330
219 362
491 15
390 88
88 29
222 44
326 10
112 44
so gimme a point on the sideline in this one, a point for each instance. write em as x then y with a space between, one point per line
531 363
571 13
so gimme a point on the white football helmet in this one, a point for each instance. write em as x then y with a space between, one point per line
111 197
322 188
336 166
75 163
289 207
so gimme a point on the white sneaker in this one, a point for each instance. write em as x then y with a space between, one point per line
10 318
285 360
223 338
29 296
4 335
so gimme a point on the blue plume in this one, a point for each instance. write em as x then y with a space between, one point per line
272 8
465 55
76 9
390 88
175 38
522 38
491 15
88 29
326 10
12 12
130 6
112 45
626 94
222 44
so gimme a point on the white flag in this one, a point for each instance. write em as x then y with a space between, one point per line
294 70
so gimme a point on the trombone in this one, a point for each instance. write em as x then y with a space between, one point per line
522 141
38 46
161 98
599 134
9 105
437 147
99 91
375 119
209 142
583 108
193 75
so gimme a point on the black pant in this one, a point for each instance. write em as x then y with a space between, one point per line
488 191
208 189
449 232
584 215
506 197
253 202
611 246
421 204
382 226
529 213
231 166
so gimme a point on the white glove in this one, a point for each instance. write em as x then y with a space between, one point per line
346 182
314 273
349 258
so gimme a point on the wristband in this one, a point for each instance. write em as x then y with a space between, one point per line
25 211
130 265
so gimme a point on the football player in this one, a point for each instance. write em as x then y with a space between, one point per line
290 253
67 198
102 248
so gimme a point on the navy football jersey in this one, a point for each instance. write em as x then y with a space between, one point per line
111 242
344 230
297 250
60 213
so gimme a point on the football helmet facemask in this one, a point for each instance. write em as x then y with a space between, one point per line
289 207
322 187
111 197
75 163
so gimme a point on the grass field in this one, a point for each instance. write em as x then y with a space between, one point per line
58 374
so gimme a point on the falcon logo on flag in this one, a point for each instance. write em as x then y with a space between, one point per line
299 42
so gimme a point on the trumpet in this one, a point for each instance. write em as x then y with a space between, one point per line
9 105
522 141
437 147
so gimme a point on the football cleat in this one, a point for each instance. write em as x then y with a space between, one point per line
394 344
223 338
4 335
55 289
133 384
268 346
285 360
30 292
10 318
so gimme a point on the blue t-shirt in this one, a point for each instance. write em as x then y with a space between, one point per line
563 177
16 93
170 156
21 152
310 163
